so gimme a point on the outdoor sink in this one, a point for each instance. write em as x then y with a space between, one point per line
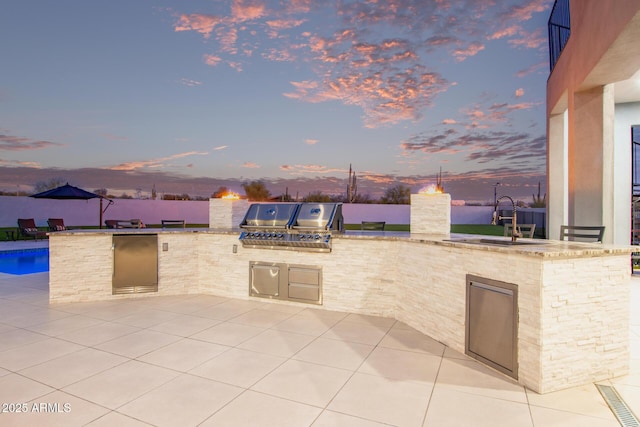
498 242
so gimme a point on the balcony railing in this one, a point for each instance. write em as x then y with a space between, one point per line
559 30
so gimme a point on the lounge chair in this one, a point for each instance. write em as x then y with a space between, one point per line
124 223
56 224
27 228
372 225
582 233
178 223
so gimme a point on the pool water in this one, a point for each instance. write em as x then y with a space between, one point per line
24 261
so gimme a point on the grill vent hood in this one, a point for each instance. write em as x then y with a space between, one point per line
300 226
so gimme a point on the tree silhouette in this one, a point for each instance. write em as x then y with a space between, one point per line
256 191
397 195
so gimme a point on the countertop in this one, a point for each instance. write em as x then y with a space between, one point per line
531 247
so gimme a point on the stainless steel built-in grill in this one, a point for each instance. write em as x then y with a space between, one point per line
299 226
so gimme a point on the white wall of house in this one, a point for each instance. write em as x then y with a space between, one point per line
588 134
627 115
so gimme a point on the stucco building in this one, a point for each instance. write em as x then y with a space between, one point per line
593 116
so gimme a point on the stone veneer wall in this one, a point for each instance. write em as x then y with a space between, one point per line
573 312
431 213
585 319
226 213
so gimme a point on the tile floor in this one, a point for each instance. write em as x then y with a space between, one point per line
211 361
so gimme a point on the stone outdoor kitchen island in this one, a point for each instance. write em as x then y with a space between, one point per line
572 298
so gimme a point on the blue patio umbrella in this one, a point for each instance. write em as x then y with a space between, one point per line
69 192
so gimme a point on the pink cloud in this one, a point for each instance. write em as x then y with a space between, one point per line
200 23
189 82
532 69
525 11
311 141
211 59
449 122
251 165
470 50
246 10
534 40
154 163
311 169
519 92
505 32
16 143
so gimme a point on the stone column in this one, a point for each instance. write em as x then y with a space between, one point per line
226 213
431 213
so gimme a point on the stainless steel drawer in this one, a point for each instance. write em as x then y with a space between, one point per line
297 282
305 292
309 276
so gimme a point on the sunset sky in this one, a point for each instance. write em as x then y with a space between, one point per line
190 95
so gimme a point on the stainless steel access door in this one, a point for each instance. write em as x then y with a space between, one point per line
492 326
135 263
267 279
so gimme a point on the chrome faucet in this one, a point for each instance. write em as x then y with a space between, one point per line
514 218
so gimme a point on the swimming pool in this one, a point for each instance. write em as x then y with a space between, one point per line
26 261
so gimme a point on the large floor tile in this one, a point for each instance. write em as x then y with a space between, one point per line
410 340
73 367
335 419
277 343
401 365
585 400
184 354
35 353
98 334
184 325
17 389
304 382
358 332
227 333
261 318
335 353
138 343
147 318
266 411
303 323
114 418
55 409
32 316
16 337
119 385
227 310
382 322
554 418
184 401
194 303
470 376
449 407
66 324
375 398
238 367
